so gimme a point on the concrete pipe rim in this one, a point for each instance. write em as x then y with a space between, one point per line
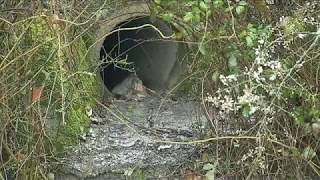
136 13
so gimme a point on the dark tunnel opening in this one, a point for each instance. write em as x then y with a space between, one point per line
141 50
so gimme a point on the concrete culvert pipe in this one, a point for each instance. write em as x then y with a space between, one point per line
132 42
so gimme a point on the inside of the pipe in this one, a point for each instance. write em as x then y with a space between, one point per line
141 50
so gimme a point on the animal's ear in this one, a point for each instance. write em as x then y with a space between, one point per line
135 74
139 87
132 75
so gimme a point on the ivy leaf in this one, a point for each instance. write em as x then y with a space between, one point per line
240 10
218 3
203 6
168 17
196 14
196 10
242 3
209 12
197 18
249 41
188 17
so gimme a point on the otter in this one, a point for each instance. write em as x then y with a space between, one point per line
129 87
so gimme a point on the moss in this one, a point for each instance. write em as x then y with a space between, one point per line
76 124
65 69
84 90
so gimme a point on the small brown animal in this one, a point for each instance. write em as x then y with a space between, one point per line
129 87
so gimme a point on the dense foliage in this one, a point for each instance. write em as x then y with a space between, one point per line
255 61
259 62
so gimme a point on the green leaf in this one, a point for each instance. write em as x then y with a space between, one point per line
202 48
308 153
240 10
228 9
232 62
246 111
249 41
299 113
168 17
208 167
210 175
157 1
211 170
196 10
243 34
196 18
188 17
203 6
209 12
215 76
171 4
242 3
218 3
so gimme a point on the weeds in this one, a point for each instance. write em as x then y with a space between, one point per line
262 74
41 66
265 74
